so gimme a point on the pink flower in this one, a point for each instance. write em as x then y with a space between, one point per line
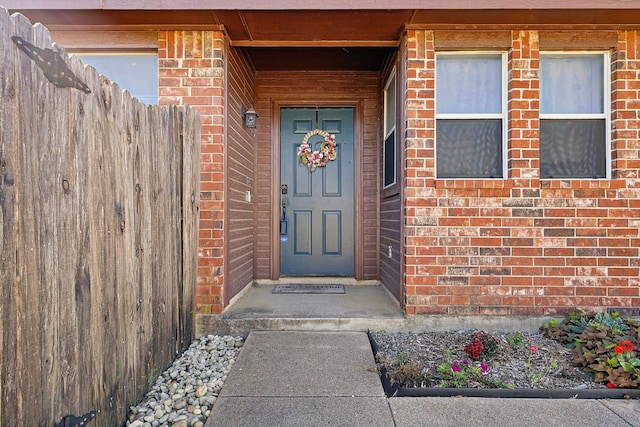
484 368
533 348
316 156
455 367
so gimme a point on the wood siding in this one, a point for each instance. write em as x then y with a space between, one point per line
98 227
239 176
390 237
325 89
391 208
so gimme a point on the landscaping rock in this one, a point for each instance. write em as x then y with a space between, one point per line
184 394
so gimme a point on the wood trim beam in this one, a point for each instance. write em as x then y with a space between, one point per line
577 40
314 43
525 27
136 40
140 27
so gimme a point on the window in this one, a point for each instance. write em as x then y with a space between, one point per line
574 124
135 72
470 115
389 148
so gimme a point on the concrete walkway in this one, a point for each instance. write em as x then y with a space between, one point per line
291 378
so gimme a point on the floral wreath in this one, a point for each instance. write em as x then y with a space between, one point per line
321 157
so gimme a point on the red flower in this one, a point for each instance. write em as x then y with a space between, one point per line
626 345
611 385
618 349
474 349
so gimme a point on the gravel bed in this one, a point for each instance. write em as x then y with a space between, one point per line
184 394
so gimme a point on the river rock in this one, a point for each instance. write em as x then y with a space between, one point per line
201 390
193 379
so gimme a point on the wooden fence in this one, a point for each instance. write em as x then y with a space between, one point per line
98 226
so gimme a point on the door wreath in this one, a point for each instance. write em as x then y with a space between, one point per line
321 157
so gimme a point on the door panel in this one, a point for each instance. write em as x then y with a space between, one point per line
319 205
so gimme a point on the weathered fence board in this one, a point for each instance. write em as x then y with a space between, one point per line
8 309
98 227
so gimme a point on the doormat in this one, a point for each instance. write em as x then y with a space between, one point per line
291 288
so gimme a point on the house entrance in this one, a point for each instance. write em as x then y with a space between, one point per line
317 201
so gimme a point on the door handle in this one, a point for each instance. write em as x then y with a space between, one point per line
284 223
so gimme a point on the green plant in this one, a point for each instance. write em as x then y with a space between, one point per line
465 374
602 343
515 339
610 320
623 370
534 375
573 325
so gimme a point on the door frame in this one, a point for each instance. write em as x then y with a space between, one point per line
358 143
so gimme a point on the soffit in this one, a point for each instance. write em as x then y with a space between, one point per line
350 39
330 27
314 4
246 28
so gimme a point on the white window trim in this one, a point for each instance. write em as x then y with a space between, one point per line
504 104
606 99
387 132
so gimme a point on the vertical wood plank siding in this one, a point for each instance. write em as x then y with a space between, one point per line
241 155
300 88
391 203
97 227
390 236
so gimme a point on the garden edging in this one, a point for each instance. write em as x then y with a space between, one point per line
393 390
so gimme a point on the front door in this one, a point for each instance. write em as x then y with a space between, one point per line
317 206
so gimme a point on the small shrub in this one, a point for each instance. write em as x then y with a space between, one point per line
482 346
403 371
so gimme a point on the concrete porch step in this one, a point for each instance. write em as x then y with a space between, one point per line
363 307
360 308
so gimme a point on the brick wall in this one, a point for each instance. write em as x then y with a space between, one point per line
521 245
191 71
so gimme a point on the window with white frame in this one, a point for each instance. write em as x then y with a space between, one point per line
135 72
470 114
389 147
574 119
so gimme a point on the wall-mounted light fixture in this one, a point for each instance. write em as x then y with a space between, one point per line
250 117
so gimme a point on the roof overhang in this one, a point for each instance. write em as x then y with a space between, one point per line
315 5
338 28
362 28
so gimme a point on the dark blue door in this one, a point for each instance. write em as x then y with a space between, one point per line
317 219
